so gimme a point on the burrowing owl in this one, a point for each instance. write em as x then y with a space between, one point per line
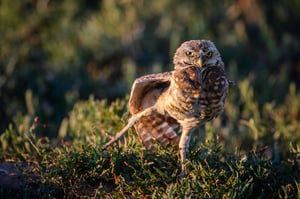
190 95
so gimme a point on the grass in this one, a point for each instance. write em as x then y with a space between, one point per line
251 151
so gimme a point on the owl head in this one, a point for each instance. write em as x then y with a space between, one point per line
199 53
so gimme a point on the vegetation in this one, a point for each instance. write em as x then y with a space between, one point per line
64 64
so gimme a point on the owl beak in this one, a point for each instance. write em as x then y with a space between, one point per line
199 62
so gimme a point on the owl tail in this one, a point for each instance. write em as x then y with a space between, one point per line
156 127
149 125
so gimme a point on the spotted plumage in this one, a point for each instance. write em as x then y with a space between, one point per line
187 97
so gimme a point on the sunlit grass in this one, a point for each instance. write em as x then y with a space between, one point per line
253 153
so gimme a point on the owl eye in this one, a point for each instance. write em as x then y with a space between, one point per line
189 54
209 54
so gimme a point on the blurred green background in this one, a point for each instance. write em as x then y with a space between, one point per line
54 53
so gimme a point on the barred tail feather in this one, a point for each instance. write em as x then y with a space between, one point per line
156 128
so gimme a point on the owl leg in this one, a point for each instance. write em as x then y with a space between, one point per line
130 123
187 131
183 146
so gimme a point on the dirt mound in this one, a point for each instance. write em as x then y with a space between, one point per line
15 180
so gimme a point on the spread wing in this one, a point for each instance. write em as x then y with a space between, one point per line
146 89
144 93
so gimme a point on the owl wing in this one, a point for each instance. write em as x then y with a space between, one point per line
146 90
144 93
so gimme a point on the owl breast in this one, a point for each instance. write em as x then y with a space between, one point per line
197 93
214 91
